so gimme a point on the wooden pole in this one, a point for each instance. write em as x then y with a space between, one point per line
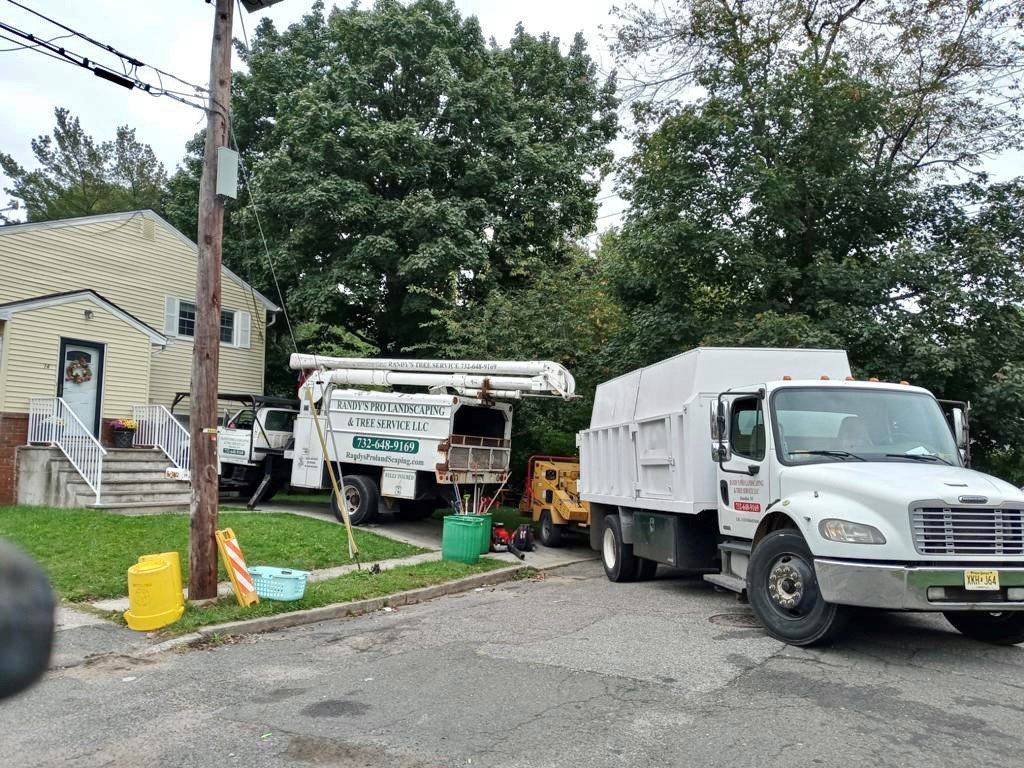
206 347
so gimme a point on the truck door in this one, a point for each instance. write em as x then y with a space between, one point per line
744 491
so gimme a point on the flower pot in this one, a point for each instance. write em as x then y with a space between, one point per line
123 438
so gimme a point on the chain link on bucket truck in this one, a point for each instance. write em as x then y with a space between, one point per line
775 474
411 452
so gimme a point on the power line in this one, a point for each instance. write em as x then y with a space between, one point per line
22 47
129 81
130 59
125 58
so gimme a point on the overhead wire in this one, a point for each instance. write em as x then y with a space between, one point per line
68 56
22 46
129 64
85 37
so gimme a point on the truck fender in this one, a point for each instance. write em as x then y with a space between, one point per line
597 515
773 521
626 524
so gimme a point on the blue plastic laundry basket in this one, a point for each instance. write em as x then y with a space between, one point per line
278 583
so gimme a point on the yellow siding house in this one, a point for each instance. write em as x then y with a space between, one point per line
100 311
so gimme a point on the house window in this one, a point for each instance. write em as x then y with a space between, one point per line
227 327
180 320
186 319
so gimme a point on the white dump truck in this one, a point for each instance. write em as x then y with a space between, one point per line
411 452
775 474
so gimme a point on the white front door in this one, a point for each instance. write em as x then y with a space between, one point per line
80 380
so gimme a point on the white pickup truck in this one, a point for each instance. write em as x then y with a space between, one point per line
252 435
775 474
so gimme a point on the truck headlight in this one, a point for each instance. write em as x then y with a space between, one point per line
850 533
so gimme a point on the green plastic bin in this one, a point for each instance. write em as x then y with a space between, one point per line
460 539
485 533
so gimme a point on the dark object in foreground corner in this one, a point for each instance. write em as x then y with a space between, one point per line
27 609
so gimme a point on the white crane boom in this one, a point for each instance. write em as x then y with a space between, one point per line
499 378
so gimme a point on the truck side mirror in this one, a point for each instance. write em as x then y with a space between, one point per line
720 450
960 428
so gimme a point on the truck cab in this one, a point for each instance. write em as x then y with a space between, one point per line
253 433
825 493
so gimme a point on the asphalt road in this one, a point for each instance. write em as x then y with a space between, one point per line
570 670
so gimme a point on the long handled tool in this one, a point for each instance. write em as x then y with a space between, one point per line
353 550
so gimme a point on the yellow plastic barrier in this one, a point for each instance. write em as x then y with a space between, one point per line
154 592
173 559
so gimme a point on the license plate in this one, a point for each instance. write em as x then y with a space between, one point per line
982 581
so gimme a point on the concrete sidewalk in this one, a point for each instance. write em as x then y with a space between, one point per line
427 534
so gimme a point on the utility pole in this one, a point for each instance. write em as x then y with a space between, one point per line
206 347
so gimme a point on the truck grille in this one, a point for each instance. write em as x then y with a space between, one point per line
968 531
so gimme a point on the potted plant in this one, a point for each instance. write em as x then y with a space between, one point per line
124 432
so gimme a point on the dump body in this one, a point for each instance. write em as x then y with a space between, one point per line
649 441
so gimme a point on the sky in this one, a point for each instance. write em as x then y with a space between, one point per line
175 36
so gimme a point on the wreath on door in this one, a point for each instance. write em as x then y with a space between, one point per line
78 371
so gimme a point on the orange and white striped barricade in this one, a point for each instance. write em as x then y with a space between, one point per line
234 564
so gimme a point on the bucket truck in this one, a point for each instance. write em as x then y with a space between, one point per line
411 452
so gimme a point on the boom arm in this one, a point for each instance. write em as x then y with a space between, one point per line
501 378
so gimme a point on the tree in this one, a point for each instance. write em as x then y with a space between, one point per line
402 165
79 177
565 313
951 71
796 198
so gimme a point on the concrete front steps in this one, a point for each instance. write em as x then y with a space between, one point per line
134 483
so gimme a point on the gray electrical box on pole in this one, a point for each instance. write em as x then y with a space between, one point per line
227 173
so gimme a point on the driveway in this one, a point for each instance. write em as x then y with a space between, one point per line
568 670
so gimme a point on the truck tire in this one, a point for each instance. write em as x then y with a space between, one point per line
550 534
362 496
1002 628
618 559
783 591
645 569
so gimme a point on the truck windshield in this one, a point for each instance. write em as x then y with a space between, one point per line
831 424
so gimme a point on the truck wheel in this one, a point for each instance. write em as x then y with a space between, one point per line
783 591
619 561
361 498
645 569
550 534
1001 628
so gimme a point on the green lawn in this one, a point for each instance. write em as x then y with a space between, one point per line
87 552
342 589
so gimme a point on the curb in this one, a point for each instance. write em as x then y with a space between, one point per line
356 608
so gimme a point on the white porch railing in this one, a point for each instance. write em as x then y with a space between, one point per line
158 428
52 422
